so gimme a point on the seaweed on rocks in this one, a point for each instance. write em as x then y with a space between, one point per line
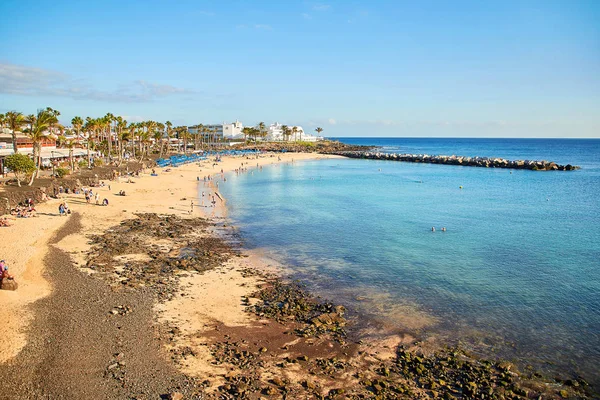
151 249
285 302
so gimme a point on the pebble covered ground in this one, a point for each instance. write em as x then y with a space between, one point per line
96 336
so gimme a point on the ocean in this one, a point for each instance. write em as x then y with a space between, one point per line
516 274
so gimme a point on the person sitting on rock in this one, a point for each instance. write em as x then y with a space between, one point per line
4 271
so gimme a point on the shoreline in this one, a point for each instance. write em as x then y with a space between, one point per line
190 331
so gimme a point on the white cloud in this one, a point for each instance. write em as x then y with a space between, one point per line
306 16
332 121
32 81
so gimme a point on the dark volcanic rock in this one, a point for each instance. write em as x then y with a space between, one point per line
484 162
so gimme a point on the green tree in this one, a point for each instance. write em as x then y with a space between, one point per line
39 131
92 127
184 134
295 132
70 144
144 141
122 133
169 126
14 120
158 138
77 123
319 130
262 130
246 131
107 122
132 128
21 165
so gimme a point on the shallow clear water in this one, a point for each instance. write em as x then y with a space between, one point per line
516 274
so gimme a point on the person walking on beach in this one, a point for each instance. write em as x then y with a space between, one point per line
97 198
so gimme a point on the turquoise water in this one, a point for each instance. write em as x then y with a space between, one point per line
516 274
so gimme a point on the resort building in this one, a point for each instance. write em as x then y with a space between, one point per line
275 134
218 132
233 130
25 146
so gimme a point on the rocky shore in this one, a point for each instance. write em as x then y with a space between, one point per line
299 346
485 162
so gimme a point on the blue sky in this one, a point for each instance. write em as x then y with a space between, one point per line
356 68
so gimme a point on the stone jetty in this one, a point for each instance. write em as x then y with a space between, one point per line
486 162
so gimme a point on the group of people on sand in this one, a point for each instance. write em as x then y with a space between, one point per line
89 195
24 210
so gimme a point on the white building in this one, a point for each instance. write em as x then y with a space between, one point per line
232 130
275 133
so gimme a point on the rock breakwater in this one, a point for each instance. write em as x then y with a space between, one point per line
485 162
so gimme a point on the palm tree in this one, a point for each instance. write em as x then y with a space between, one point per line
319 130
261 129
158 139
150 128
246 132
2 119
169 125
77 123
70 143
213 132
144 140
284 131
295 132
40 130
122 135
184 134
92 127
199 137
141 130
14 121
132 128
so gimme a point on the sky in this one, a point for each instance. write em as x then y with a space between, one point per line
355 68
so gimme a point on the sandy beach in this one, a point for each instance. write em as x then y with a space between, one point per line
27 243
107 309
